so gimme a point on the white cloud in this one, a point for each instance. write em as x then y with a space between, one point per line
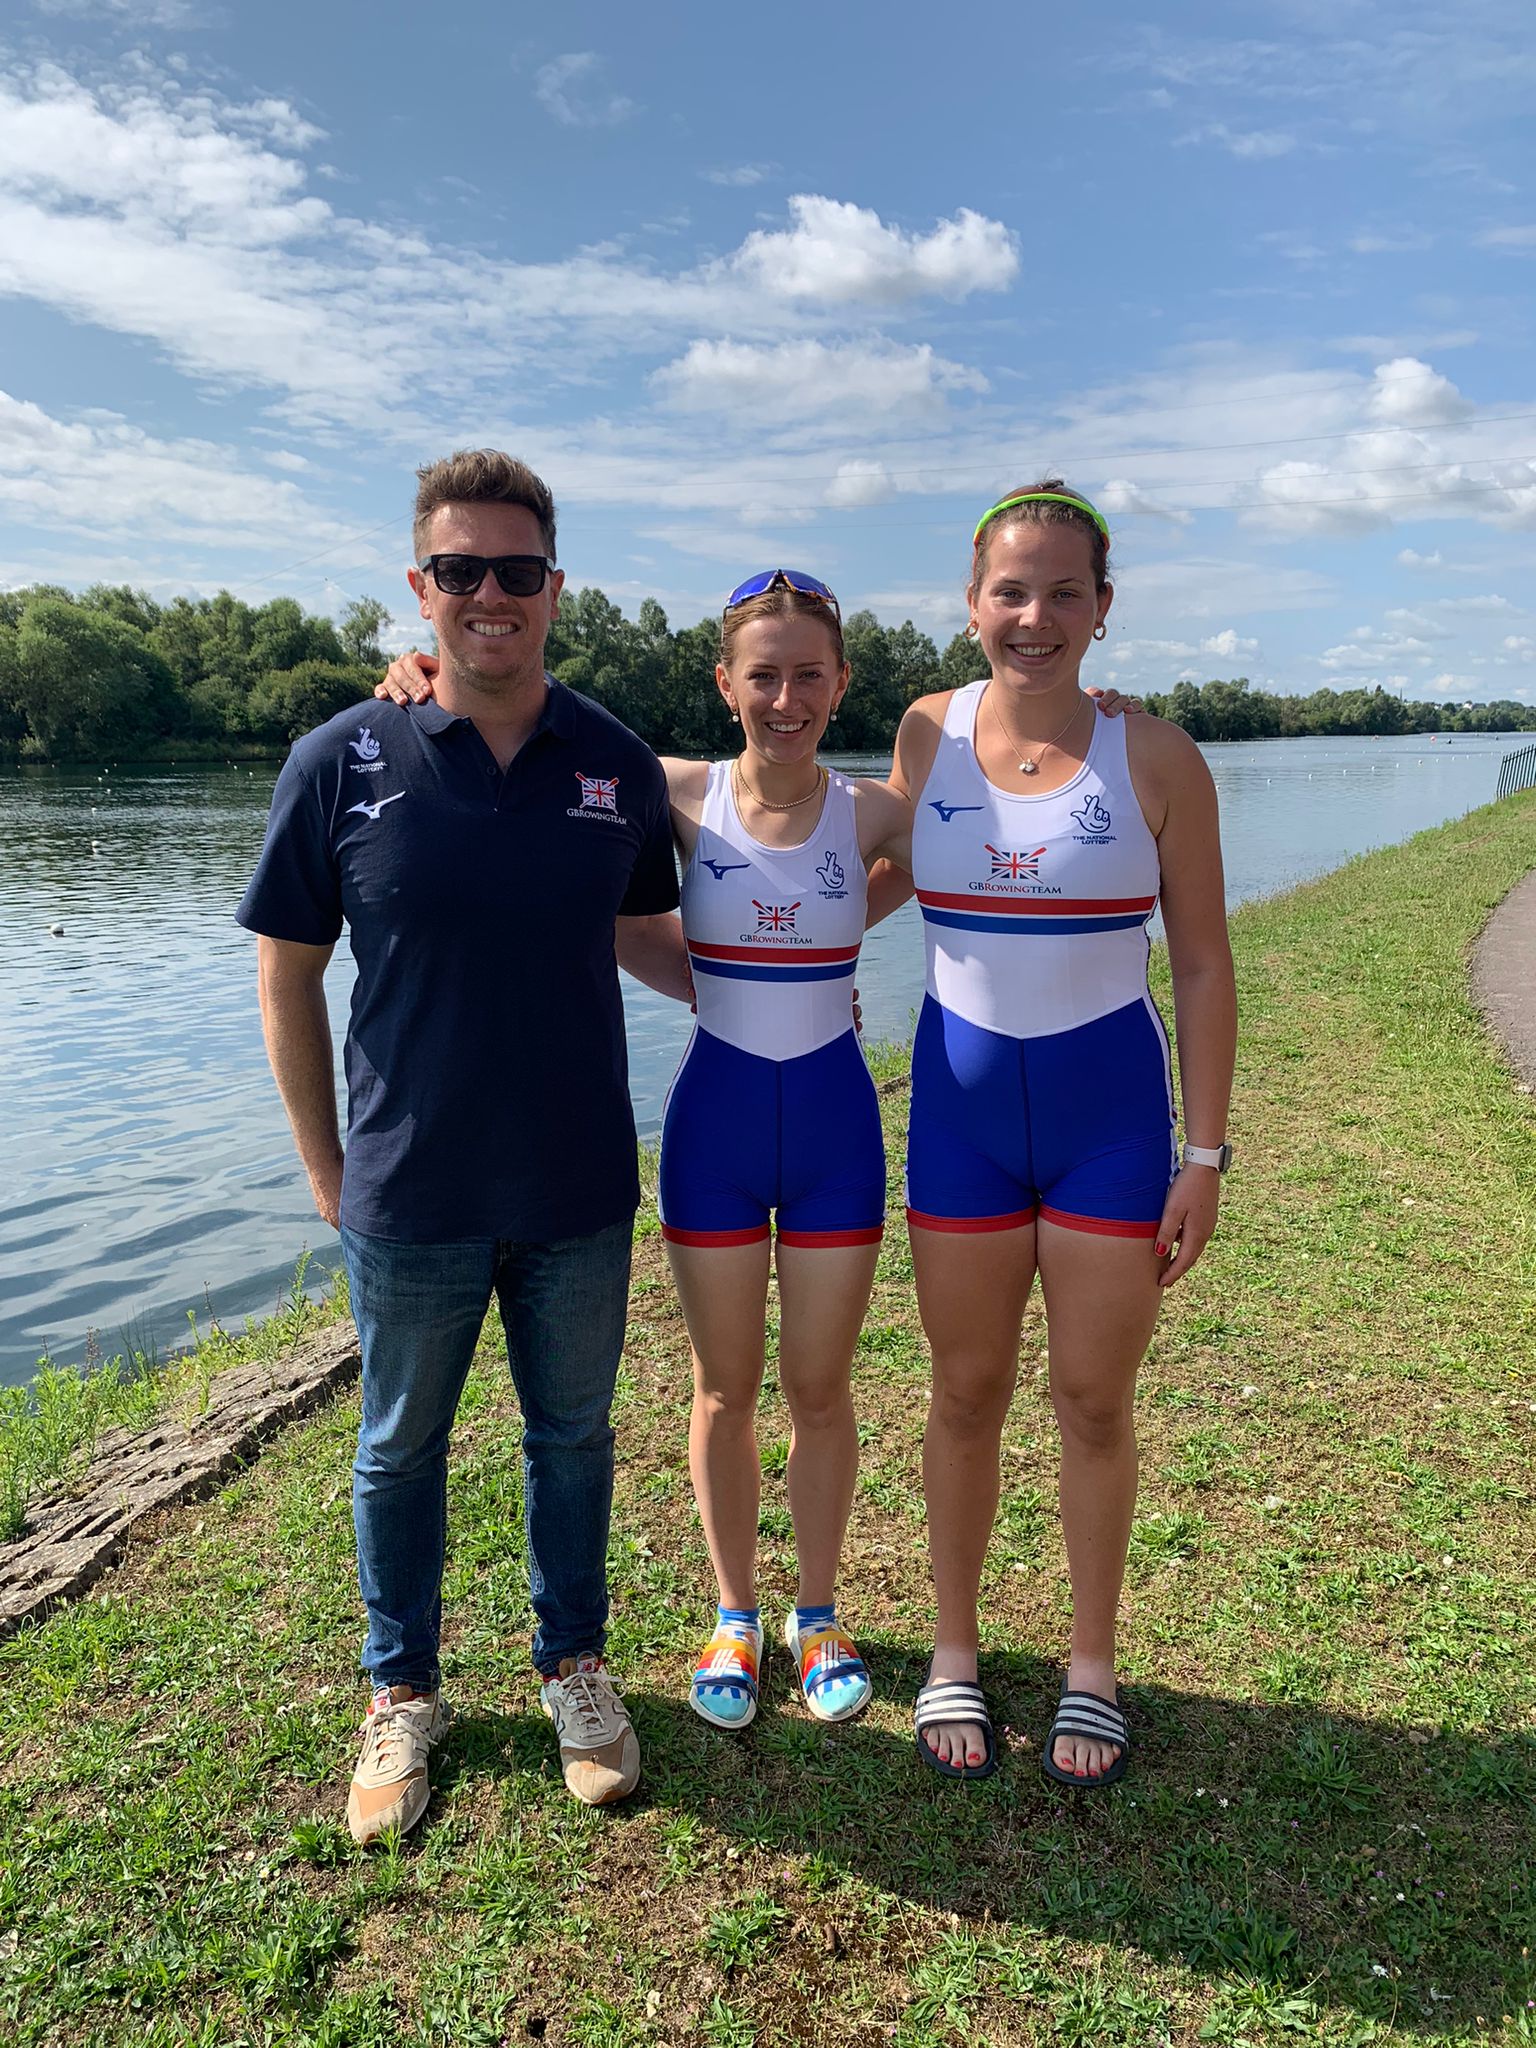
1305 497
797 379
1523 237
284 458
1230 645
567 87
1120 498
840 253
1521 644
742 547
1410 558
103 475
1402 620
1489 603
141 13
1255 145
1408 393
739 174
860 483
939 609
1390 245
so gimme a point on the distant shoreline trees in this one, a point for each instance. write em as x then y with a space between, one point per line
109 671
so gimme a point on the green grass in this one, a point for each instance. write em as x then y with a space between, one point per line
50 1429
1328 1618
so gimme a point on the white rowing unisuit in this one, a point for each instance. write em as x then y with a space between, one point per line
1072 874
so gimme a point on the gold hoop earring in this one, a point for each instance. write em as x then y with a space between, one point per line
1100 630
973 631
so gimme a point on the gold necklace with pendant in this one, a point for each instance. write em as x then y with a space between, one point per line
1026 766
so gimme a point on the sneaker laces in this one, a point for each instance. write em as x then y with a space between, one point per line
391 1727
593 1696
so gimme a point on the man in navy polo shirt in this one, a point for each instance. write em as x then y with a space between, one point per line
491 854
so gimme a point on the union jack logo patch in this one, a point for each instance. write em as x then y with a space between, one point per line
775 917
599 792
1018 867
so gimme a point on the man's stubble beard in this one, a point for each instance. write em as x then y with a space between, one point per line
489 686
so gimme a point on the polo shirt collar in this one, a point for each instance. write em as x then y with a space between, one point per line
558 715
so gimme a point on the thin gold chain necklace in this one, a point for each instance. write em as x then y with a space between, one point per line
742 783
1026 766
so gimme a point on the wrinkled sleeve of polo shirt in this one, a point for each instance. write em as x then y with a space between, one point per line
295 892
653 879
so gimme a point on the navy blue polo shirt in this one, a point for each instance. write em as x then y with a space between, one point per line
487 1079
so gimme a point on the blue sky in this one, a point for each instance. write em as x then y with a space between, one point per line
804 285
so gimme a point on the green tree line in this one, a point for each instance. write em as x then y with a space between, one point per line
110 671
1236 711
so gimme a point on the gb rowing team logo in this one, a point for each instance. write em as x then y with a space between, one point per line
599 792
1016 867
599 799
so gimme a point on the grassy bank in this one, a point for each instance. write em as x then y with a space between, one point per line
1329 1617
50 1428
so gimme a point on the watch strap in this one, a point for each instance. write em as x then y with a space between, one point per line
1219 1156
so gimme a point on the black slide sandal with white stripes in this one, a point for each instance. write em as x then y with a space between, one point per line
959 1702
1085 1715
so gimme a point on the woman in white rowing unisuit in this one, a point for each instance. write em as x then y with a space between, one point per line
1042 1134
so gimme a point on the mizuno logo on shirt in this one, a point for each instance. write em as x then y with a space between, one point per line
947 811
721 868
373 810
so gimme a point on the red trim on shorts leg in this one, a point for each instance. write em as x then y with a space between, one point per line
831 1239
714 1240
969 1224
1096 1226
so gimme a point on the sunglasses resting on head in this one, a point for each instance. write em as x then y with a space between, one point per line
792 579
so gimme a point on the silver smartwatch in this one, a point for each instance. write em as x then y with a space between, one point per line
1219 1156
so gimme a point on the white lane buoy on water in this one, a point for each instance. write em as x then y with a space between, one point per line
55 931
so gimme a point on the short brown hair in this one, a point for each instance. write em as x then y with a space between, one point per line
778 602
1049 512
480 476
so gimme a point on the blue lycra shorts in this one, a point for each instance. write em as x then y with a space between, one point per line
744 1137
1077 1126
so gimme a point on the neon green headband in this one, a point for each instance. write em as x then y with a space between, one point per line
1038 497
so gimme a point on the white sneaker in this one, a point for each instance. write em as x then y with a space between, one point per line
599 1755
389 1786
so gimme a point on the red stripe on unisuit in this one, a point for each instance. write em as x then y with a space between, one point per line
710 1240
816 1239
971 1223
1040 906
1096 1226
813 956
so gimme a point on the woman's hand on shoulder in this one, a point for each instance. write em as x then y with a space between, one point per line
409 678
1110 702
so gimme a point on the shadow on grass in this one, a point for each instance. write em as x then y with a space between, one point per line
1374 1868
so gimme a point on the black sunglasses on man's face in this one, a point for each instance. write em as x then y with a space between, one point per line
462 575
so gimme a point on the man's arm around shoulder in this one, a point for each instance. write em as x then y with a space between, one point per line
291 984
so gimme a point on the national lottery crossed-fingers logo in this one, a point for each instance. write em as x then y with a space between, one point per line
1018 867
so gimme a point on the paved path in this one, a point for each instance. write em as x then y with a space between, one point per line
1504 976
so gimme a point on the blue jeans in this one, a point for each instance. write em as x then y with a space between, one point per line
419 1309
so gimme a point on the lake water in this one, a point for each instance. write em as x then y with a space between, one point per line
147 1164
